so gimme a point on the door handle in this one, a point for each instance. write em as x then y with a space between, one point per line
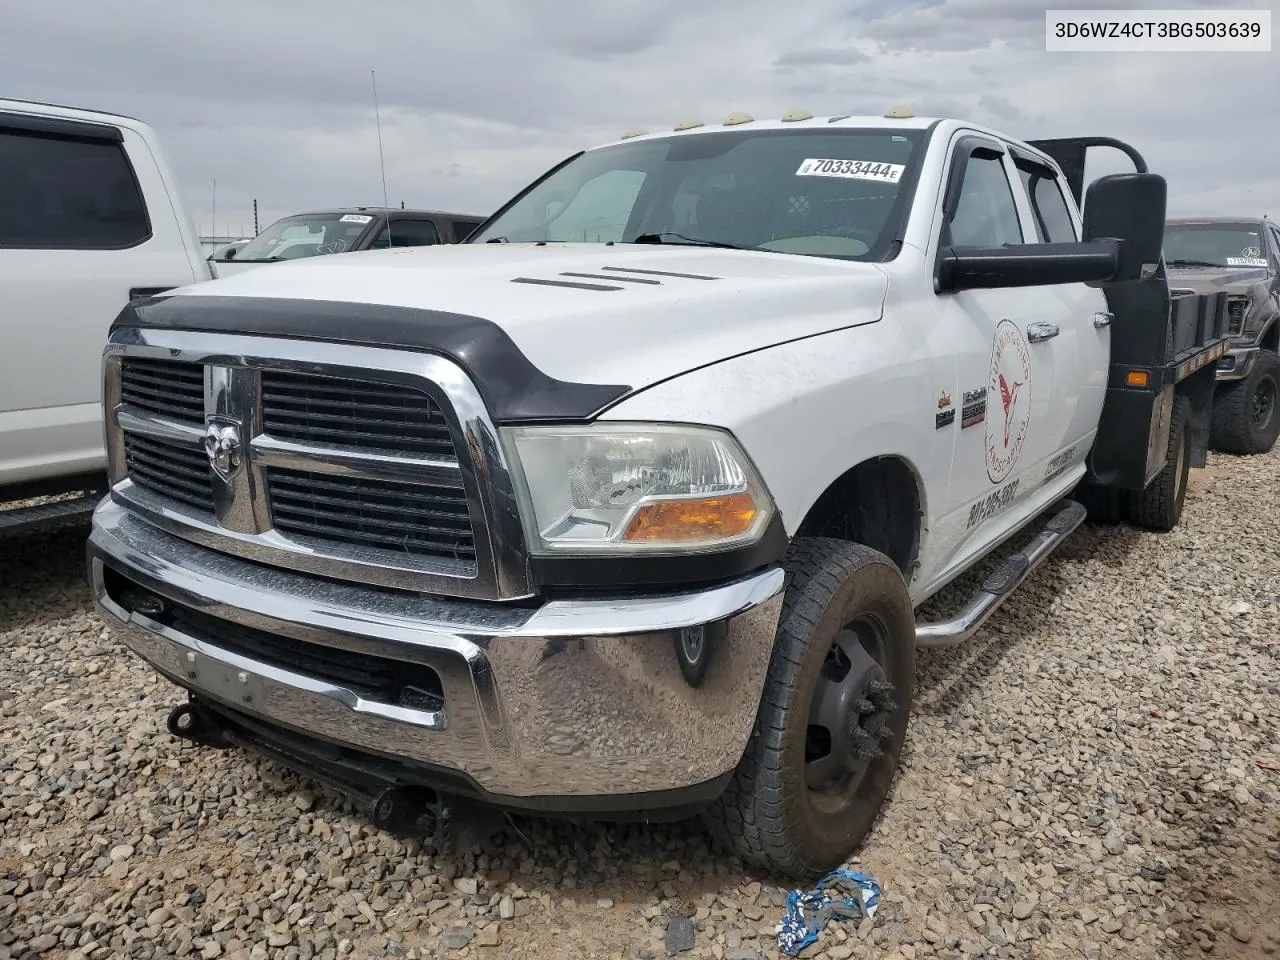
1103 319
1039 332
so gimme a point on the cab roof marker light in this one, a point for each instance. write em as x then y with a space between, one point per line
633 133
733 119
687 124
796 113
898 113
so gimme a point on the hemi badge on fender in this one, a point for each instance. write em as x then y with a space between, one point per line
944 419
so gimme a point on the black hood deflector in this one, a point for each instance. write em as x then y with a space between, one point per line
513 388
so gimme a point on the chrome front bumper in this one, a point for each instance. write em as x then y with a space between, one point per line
573 699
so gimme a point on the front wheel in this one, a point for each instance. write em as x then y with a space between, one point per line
833 717
1246 413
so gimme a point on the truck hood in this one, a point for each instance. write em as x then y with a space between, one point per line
643 313
1233 280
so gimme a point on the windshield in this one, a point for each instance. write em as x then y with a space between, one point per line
830 193
306 236
1189 246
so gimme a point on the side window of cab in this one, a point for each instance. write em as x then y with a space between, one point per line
985 214
407 232
1048 203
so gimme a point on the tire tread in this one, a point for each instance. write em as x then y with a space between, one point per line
1159 506
1230 431
750 817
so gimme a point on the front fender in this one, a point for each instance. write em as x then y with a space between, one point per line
808 411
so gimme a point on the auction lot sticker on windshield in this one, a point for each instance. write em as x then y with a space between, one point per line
851 170
1246 262
354 218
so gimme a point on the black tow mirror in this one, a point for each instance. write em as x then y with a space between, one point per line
1026 265
1129 208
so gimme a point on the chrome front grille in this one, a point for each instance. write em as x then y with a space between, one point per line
328 459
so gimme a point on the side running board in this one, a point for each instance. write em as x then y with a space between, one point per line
1002 582
21 521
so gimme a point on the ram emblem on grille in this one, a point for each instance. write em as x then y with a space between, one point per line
222 446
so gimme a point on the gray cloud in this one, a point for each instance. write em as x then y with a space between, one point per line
274 100
822 57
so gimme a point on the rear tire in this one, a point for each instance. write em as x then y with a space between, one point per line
833 716
1159 506
1246 413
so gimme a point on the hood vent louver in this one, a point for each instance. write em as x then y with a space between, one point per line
572 284
607 279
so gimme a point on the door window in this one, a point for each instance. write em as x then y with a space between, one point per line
65 193
1052 216
408 233
986 214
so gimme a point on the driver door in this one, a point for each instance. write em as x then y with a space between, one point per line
1005 428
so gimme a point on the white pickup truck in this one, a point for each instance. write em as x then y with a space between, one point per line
89 219
624 506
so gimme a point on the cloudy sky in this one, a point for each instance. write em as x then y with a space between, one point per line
274 100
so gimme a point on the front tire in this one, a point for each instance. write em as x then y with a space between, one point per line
1246 413
833 717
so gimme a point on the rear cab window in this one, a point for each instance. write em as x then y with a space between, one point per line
63 191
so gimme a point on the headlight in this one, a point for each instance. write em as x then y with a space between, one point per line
636 488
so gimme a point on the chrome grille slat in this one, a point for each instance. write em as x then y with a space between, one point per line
315 487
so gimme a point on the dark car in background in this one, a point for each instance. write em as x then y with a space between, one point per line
1238 256
346 230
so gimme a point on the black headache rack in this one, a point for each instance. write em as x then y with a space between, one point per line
1164 343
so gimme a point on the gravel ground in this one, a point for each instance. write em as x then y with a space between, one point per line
1096 775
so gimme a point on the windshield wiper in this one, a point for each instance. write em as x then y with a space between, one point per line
497 240
1191 263
693 241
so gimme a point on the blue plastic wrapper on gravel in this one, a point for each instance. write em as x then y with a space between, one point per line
841 893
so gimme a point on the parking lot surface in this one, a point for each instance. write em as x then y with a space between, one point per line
1097 774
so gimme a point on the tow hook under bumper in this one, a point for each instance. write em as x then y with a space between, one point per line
442 821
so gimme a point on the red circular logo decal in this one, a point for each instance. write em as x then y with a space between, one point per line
1008 400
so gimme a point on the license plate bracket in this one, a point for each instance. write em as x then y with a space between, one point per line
225 681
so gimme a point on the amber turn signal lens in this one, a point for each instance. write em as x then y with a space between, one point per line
707 518
1136 378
